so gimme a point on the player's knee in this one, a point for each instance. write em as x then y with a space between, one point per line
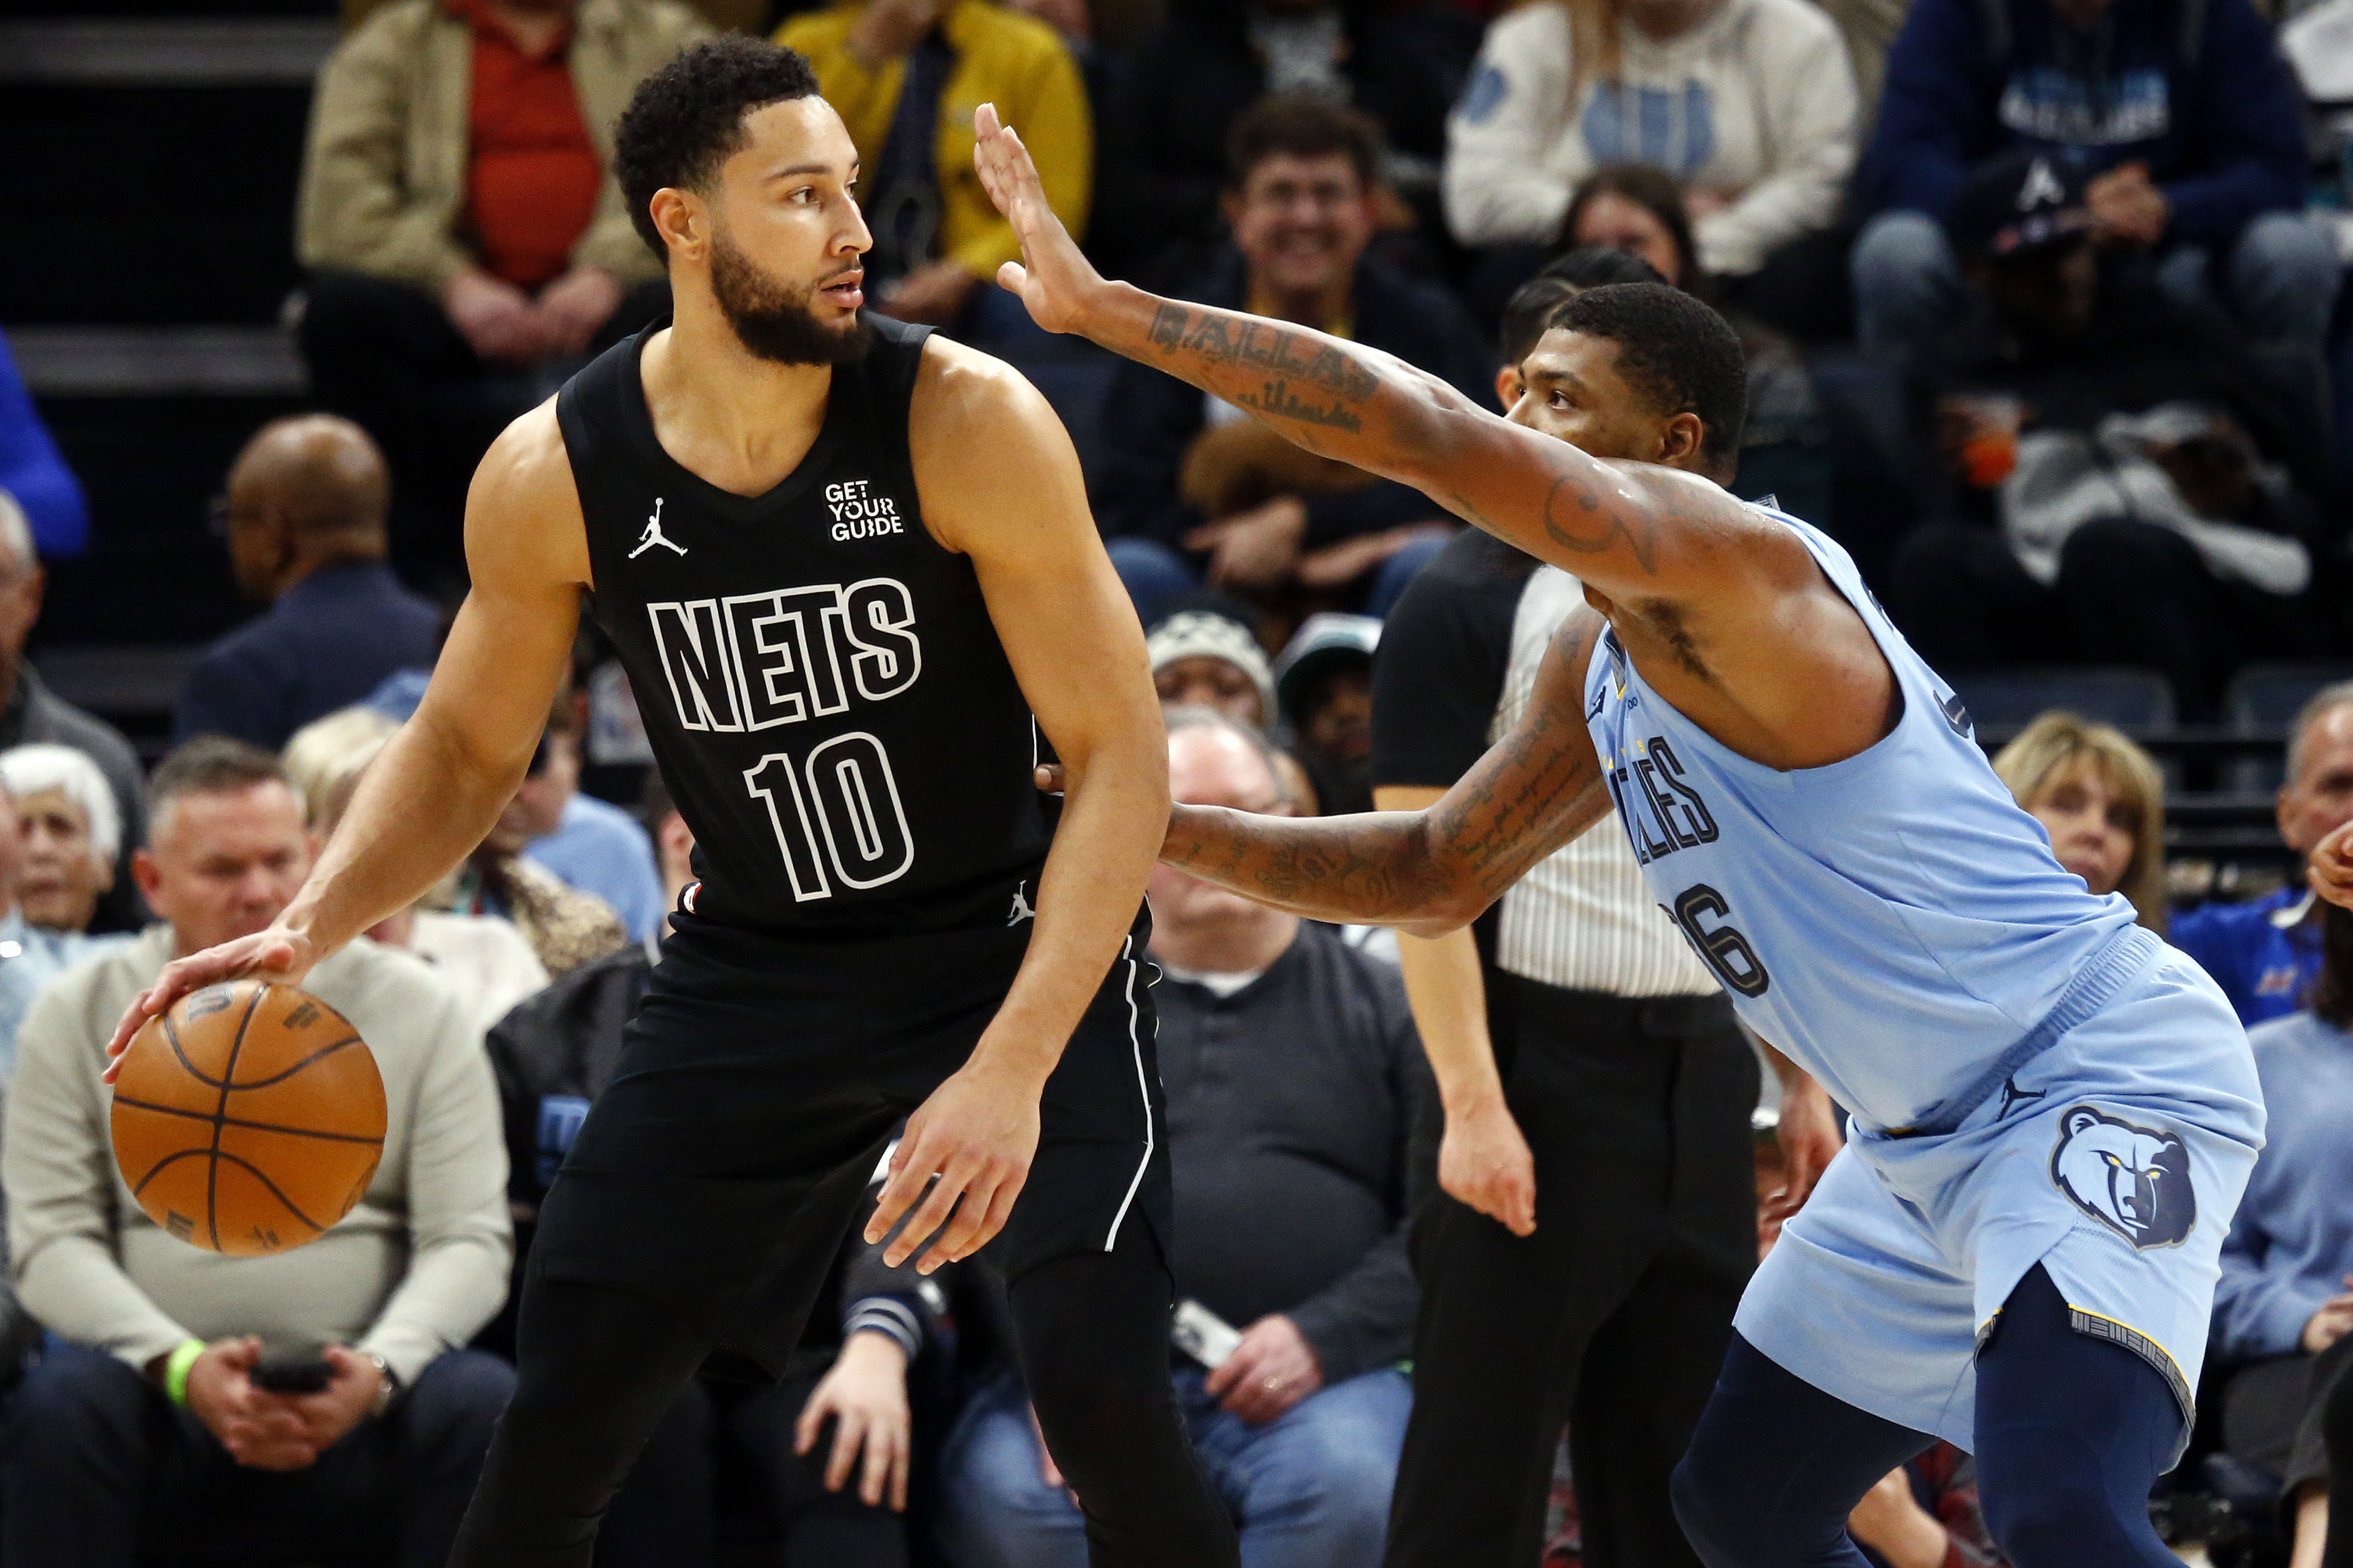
1697 1495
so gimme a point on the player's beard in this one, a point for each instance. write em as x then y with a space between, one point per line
776 322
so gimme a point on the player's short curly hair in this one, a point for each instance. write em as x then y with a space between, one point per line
687 118
1676 351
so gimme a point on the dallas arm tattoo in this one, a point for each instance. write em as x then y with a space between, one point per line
1534 791
1287 375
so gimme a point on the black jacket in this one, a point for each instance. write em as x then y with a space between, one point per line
1155 417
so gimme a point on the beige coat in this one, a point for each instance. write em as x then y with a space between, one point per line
384 177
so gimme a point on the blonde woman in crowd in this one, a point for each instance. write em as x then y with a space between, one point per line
2101 799
485 957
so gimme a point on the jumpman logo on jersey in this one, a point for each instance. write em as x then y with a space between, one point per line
653 535
2013 1097
1022 909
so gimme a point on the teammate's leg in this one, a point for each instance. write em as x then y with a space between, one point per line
1776 1466
2072 1433
1092 1328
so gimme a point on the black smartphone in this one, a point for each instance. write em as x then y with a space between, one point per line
286 1374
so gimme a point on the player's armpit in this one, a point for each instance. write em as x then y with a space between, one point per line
1432 871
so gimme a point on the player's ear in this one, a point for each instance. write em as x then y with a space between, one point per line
681 219
1508 386
1681 441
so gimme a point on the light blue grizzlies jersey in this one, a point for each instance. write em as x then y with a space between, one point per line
1892 922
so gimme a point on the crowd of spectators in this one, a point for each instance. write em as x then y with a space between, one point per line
2039 298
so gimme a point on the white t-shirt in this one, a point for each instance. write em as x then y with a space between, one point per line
1757 104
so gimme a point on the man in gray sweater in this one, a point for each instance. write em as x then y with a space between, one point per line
146 1434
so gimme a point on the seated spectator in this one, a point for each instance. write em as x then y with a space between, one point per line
2102 801
33 473
2184 122
1293 1077
1639 209
71 834
1173 102
304 516
1325 680
565 925
835 1503
484 958
1208 658
142 1437
593 845
2285 1298
2265 952
1750 103
461 228
1194 487
938 239
30 957
30 711
2120 483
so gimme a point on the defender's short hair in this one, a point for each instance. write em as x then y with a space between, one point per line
1301 125
209 764
1673 350
1529 312
687 119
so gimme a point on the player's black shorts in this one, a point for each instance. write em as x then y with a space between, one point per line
759 1082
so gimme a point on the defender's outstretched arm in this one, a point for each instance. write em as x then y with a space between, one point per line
1427 871
1632 530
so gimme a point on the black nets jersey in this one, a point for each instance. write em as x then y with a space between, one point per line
822 685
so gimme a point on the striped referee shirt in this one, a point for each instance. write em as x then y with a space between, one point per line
1456 668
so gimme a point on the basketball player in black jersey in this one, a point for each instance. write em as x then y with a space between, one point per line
844 563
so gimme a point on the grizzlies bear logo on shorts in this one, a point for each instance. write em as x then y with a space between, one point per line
2134 1180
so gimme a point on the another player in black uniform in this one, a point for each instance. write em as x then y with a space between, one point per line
845 562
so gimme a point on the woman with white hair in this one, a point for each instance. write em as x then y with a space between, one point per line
72 832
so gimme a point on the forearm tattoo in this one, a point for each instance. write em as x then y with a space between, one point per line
1302 377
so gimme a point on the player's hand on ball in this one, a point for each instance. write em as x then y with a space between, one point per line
1483 1160
281 957
865 1392
1052 278
1271 1370
978 1132
2329 868
261 1430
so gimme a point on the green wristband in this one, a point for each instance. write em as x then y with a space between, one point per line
175 1371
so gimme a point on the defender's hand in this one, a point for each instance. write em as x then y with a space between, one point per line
1053 279
281 957
978 1132
1483 1160
2329 868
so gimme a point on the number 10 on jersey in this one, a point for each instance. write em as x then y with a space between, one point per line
838 810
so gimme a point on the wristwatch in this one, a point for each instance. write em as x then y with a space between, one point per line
388 1386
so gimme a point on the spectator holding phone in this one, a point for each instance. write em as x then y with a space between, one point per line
1294 1077
308 1404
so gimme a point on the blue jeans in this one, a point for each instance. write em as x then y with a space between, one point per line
99 1471
1309 1489
2280 281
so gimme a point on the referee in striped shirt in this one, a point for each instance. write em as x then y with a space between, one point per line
1597 1217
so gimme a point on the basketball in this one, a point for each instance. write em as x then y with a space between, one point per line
248 1118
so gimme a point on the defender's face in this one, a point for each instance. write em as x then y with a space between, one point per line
1572 391
786 204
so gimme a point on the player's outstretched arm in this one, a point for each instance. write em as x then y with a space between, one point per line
440 782
1433 870
1000 482
1632 530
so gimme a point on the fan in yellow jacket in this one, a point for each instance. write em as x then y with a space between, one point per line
860 49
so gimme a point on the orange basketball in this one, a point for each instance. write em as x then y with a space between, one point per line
248 1117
